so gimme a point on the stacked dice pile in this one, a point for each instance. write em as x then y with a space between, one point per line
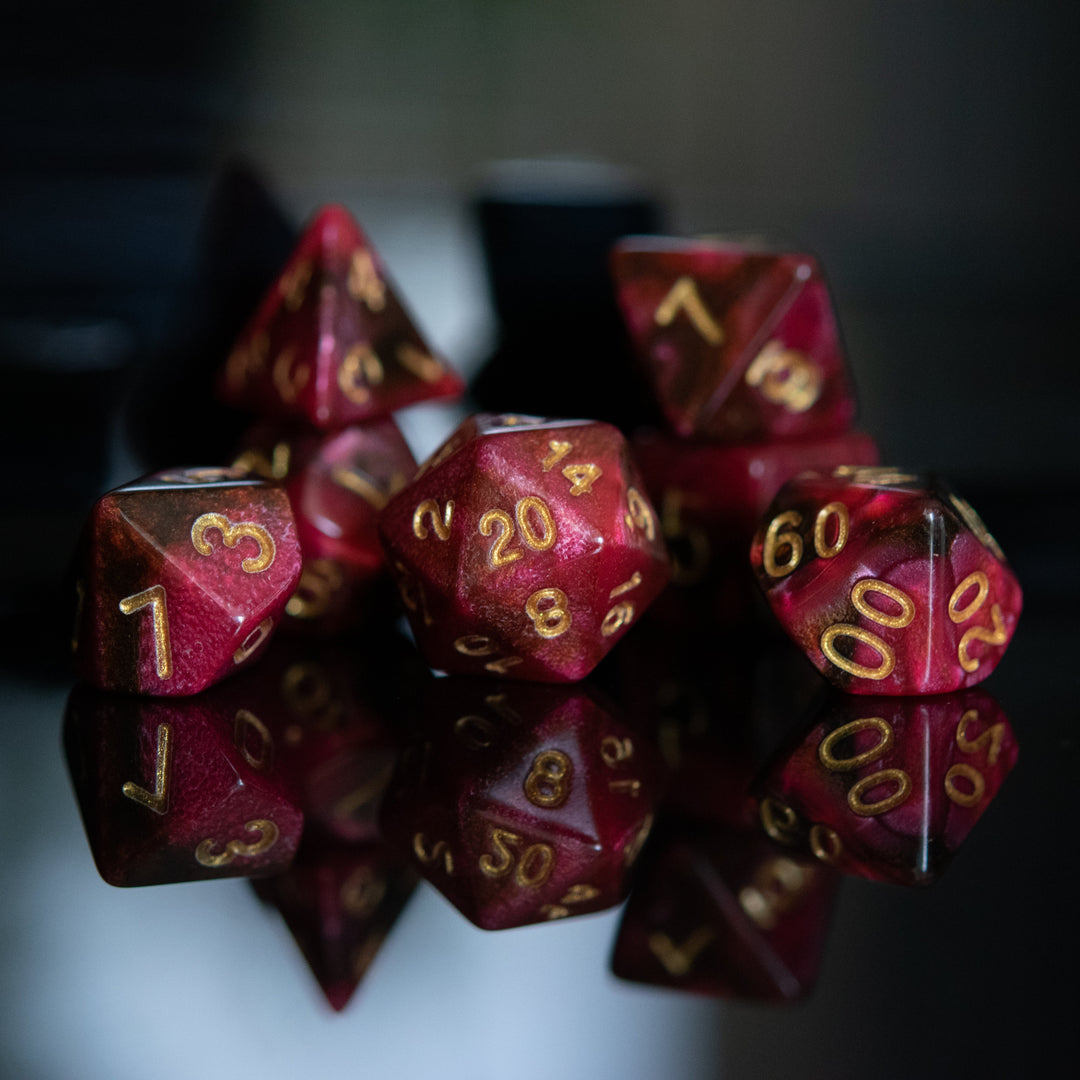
523 551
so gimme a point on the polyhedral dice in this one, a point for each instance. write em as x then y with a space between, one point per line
888 788
331 343
725 914
340 901
183 577
524 547
337 484
710 497
888 581
521 803
740 343
179 790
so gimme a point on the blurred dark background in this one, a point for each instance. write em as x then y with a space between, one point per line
922 150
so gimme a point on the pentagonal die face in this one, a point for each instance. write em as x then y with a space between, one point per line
888 581
888 788
521 803
331 343
183 578
337 484
740 343
528 549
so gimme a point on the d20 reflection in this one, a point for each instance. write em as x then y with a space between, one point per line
183 576
340 902
331 344
888 581
178 790
888 788
524 548
337 484
521 803
725 914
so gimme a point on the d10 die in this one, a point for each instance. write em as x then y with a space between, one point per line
521 803
337 484
183 577
888 581
740 343
524 547
331 342
340 901
179 790
888 788
710 497
725 914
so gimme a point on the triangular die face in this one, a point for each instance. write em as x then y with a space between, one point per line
331 341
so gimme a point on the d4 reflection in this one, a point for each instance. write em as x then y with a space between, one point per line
521 803
888 788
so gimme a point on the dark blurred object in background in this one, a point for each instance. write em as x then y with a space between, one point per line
547 228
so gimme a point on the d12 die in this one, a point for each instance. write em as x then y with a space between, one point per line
710 497
521 803
340 901
331 342
524 547
725 914
178 790
337 484
183 577
740 343
888 788
888 581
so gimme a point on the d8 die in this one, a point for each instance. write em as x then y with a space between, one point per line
888 581
740 343
179 790
525 547
336 484
331 343
521 803
183 577
888 788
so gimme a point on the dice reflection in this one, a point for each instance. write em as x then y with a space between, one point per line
340 901
521 803
723 913
179 789
888 788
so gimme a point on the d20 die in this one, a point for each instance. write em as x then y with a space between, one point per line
888 581
331 343
524 547
888 788
183 577
521 803
178 790
740 343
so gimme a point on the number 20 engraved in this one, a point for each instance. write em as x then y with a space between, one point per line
533 867
543 540
997 636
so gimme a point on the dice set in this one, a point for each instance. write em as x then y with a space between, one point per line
525 549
